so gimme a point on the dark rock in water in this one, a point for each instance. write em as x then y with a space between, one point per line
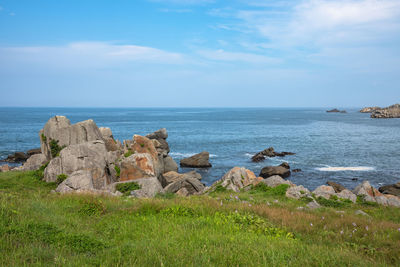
369 109
200 160
385 113
296 170
34 151
282 170
335 110
393 189
337 187
269 152
17 157
354 179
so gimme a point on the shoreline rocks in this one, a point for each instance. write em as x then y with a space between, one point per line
236 179
386 113
335 110
369 109
282 170
200 160
269 152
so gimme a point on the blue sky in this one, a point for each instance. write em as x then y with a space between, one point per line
204 53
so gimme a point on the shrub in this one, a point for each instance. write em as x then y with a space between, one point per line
61 178
40 172
141 145
92 207
117 170
55 149
361 200
334 203
178 211
220 189
279 190
129 153
44 138
126 188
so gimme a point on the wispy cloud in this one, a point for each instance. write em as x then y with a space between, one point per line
221 55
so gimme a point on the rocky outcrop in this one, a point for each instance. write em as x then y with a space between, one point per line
269 152
4 168
33 151
337 187
367 191
276 180
385 113
324 191
335 110
172 176
236 179
369 109
170 165
34 162
297 192
17 157
282 170
185 185
111 143
161 145
90 157
393 189
347 194
59 133
200 160
137 166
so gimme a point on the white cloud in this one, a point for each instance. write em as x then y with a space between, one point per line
88 54
221 55
184 2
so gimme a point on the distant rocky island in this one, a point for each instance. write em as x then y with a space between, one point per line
335 110
392 111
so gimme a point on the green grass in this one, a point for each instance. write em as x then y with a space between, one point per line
254 228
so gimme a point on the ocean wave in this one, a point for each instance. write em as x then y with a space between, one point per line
186 155
338 169
249 155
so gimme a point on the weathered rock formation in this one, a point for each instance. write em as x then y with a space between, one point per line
368 193
276 180
389 112
337 187
269 152
369 109
393 189
236 179
34 162
200 160
335 110
282 170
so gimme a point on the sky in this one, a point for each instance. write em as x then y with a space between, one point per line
199 53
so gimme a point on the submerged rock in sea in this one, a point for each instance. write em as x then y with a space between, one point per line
200 160
269 152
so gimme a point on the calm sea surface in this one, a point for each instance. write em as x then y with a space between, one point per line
329 146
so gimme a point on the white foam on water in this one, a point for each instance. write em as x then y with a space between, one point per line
186 155
249 155
341 169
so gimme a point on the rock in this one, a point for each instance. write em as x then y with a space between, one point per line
324 191
297 192
149 187
269 152
335 110
170 164
360 212
389 112
367 191
337 187
90 156
347 194
313 205
34 162
162 145
137 166
393 189
393 200
238 178
369 109
183 192
275 180
381 200
17 157
200 160
109 140
34 151
296 170
78 180
192 186
282 170
58 133
172 176
4 168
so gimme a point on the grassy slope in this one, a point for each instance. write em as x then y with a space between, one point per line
40 228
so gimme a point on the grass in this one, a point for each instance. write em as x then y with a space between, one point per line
126 188
254 228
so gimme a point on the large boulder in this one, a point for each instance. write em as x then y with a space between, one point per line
297 192
393 189
324 191
79 180
33 151
161 145
109 140
237 178
59 133
367 191
34 162
200 160
276 180
347 194
172 176
185 187
170 164
90 156
137 166
282 170
337 187
389 112
4 168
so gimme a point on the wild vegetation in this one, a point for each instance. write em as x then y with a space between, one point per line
260 227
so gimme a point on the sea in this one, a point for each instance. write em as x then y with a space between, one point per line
346 148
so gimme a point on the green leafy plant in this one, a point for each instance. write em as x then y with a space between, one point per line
141 145
92 207
44 138
61 178
117 170
361 200
126 188
220 189
40 172
129 153
279 190
55 148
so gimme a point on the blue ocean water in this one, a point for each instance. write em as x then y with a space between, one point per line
328 146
